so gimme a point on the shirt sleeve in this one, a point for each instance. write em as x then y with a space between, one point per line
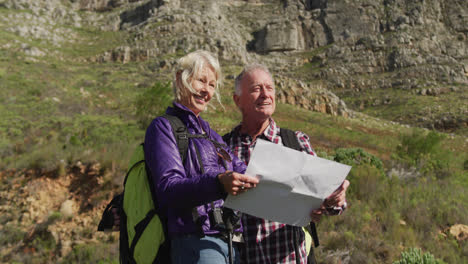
305 143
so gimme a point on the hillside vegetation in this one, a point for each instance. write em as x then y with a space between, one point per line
81 80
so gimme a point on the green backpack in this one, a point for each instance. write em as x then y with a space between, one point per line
141 228
143 233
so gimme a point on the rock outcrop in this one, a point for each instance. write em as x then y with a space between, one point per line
308 96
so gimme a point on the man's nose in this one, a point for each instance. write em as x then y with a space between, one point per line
263 91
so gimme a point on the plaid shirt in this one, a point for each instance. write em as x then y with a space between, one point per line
267 241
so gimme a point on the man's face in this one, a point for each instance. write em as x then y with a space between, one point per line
257 99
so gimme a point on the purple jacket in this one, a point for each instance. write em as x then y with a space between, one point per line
181 187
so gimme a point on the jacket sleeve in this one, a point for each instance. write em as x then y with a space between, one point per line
173 188
237 164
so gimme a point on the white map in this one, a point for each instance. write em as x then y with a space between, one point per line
292 184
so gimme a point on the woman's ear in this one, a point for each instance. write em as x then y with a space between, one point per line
179 76
179 83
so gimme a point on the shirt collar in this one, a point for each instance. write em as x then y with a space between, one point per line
270 133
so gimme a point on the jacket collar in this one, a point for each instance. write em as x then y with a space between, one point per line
197 124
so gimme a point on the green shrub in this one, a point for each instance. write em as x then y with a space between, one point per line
10 234
367 183
92 253
416 146
415 256
357 156
54 216
153 102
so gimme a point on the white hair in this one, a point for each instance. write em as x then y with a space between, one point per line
191 65
247 70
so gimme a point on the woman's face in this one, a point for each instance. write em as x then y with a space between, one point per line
204 85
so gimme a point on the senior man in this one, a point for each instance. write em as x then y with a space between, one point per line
267 241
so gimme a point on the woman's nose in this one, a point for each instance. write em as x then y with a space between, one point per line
204 88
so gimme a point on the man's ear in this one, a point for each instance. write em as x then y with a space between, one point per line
236 99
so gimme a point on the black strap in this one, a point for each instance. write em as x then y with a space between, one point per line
180 133
131 168
290 140
107 219
182 140
296 243
227 137
140 228
182 136
313 232
124 251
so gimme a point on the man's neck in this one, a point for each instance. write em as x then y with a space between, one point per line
254 128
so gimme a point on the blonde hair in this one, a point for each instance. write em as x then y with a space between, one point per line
191 65
247 70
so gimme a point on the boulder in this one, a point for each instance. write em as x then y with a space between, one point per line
459 231
277 36
68 209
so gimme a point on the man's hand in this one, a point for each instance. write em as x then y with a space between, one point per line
316 214
336 200
338 197
235 183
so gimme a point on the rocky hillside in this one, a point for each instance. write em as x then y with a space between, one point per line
379 57
73 71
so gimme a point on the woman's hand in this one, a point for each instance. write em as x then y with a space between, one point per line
235 183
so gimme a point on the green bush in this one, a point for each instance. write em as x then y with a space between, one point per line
357 156
367 183
415 256
424 151
153 102
10 234
417 145
92 253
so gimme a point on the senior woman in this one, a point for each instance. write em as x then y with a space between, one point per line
189 190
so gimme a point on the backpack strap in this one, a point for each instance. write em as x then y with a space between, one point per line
182 137
290 140
182 140
227 137
180 134
140 228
